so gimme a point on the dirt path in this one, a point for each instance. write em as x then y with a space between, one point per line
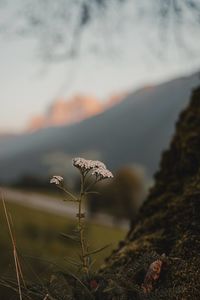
56 206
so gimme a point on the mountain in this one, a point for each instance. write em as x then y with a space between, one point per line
136 131
73 110
66 111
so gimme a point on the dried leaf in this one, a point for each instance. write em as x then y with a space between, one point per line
153 274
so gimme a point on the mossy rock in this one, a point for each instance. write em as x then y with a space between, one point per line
169 222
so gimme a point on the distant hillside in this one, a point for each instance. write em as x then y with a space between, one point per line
67 111
134 131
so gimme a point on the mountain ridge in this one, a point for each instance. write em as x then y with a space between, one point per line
135 131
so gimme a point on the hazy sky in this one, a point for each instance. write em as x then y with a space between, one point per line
28 86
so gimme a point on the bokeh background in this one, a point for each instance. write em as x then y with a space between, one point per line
100 79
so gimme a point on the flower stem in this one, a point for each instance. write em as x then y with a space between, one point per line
68 193
80 215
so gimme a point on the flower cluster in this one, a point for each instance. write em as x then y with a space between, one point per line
56 179
87 168
87 164
81 163
102 173
98 168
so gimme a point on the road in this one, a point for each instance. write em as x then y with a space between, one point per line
56 206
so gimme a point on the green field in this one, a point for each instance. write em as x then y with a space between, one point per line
41 247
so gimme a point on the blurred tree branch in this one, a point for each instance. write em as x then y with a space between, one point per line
60 26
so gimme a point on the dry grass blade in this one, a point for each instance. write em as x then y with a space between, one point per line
16 259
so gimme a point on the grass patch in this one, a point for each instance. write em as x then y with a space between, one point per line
41 247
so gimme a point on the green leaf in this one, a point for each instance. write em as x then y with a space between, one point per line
73 262
82 283
97 250
92 264
92 193
74 238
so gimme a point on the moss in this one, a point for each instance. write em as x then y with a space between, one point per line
169 222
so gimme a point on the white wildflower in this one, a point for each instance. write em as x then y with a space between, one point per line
102 173
56 179
98 164
80 163
97 167
87 164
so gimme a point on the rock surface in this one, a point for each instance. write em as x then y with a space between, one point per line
169 223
